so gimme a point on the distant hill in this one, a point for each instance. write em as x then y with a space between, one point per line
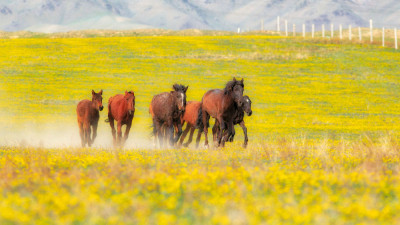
67 15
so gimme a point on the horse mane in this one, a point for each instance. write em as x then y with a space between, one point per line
179 87
229 86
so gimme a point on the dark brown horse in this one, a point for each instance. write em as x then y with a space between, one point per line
122 109
237 119
166 110
164 127
190 117
88 116
220 104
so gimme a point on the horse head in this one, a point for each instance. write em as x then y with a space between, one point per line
179 95
247 105
130 99
97 99
235 88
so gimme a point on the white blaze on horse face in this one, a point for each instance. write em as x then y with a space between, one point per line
182 99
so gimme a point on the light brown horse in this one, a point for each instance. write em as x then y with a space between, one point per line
122 109
190 117
88 116
220 104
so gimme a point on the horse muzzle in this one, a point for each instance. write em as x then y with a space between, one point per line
249 113
130 112
101 108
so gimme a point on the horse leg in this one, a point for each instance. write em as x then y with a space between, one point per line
215 130
222 127
179 132
164 133
113 131
94 135
232 133
245 134
205 129
176 131
119 133
190 136
157 131
81 133
229 131
89 131
198 136
128 127
184 135
86 133
169 132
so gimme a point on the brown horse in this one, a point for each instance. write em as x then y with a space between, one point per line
88 115
191 118
122 109
237 119
164 127
166 110
220 104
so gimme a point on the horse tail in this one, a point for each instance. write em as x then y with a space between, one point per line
199 121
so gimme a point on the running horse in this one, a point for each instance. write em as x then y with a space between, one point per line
88 116
190 117
220 104
237 119
166 110
122 109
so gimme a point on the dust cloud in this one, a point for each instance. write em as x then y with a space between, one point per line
62 136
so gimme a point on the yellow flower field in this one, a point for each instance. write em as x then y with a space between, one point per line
323 137
280 182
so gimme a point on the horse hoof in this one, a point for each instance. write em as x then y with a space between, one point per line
206 146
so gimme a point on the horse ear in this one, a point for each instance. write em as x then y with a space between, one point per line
242 80
101 92
234 79
93 92
186 88
126 92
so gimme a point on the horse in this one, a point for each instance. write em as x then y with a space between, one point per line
122 109
237 119
166 109
191 118
220 104
164 126
88 115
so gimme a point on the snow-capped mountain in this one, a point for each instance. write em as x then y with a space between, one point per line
66 15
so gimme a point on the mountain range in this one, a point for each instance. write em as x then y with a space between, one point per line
66 15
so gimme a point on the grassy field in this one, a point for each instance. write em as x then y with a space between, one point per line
323 134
